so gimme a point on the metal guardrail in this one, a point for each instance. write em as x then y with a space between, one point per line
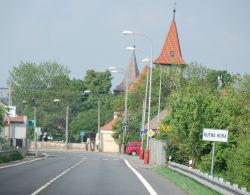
215 183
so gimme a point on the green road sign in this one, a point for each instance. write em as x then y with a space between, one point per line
32 123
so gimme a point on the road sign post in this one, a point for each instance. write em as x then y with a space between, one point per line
150 133
143 132
215 135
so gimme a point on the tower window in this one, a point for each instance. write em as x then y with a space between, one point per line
172 54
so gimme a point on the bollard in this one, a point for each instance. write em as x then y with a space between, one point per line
141 153
146 156
190 164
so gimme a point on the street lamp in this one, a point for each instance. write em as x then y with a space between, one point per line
128 32
159 97
67 123
145 60
98 120
120 70
130 48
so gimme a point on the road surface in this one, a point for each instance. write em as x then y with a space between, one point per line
82 173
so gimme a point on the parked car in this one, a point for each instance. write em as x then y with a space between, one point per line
133 148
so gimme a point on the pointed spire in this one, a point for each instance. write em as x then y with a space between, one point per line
171 51
174 10
131 73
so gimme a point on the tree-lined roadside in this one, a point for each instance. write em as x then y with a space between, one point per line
198 98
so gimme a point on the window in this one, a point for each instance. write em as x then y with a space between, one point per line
172 54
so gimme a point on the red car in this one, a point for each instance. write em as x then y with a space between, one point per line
133 148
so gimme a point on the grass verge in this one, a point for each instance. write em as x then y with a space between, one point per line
10 157
185 183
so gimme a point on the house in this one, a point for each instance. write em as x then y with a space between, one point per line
107 142
15 128
157 119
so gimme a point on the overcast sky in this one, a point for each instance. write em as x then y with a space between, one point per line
87 34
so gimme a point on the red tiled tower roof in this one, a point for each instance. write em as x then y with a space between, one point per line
171 51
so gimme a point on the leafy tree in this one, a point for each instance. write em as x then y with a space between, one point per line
213 76
198 103
36 86
98 82
171 78
239 163
1 116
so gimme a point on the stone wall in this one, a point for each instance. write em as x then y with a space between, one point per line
57 146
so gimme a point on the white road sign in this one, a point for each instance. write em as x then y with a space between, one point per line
215 135
10 111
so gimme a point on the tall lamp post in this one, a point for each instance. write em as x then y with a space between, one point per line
67 124
119 70
127 32
145 60
98 120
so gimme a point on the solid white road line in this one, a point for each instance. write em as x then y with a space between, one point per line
54 179
141 178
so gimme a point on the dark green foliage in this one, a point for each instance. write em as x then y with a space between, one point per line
239 163
199 103
1 117
35 87
11 156
98 82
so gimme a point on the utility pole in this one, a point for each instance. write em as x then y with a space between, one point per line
9 121
10 94
98 122
159 100
67 126
35 133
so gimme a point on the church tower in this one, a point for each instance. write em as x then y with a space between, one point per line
171 51
131 74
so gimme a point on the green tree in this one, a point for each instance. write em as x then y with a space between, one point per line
198 103
1 116
239 163
36 86
98 82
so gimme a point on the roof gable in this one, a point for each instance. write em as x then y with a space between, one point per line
154 122
109 126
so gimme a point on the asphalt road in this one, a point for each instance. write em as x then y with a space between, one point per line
82 173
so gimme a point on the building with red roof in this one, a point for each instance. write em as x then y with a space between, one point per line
107 142
15 127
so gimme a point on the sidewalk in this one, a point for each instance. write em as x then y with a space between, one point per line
136 162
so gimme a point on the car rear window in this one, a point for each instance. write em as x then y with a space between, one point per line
136 145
